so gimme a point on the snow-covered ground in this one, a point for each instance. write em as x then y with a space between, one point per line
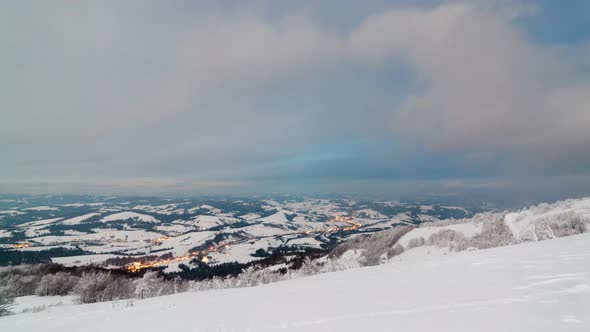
77 220
523 222
129 215
136 225
468 229
536 286
35 303
82 260
41 208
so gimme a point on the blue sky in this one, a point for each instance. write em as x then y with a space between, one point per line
385 97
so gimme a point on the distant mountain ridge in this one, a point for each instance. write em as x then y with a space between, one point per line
234 230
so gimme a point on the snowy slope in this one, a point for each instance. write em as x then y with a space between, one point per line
468 229
521 223
38 223
41 208
129 215
206 222
536 286
79 219
524 224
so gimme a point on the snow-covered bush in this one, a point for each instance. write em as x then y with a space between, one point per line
416 242
340 264
547 221
494 233
309 268
575 225
120 288
19 280
148 286
5 302
445 237
373 245
397 249
60 283
91 287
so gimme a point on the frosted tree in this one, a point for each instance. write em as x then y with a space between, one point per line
494 233
247 277
445 238
576 224
398 249
309 268
120 288
5 302
148 286
60 283
416 242
91 286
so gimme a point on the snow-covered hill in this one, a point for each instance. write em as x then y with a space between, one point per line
535 286
491 229
238 229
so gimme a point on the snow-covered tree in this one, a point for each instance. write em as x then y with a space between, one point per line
398 249
374 245
120 288
494 233
5 302
445 238
91 286
416 242
60 283
148 286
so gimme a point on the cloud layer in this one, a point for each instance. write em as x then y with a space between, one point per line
216 96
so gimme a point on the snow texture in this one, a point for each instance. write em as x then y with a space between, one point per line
535 286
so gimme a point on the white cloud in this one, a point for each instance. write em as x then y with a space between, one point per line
486 86
247 49
87 76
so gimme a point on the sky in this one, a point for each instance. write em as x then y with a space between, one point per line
214 97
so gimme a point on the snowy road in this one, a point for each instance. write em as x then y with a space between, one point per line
542 286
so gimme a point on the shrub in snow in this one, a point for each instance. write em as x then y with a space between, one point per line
536 232
445 237
309 268
338 264
5 302
91 286
19 280
398 249
416 242
148 286
575 225
494 233
554 225
373 245
120 288
60 283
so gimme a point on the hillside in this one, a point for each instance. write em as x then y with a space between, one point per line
536 286
80 229
482 231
